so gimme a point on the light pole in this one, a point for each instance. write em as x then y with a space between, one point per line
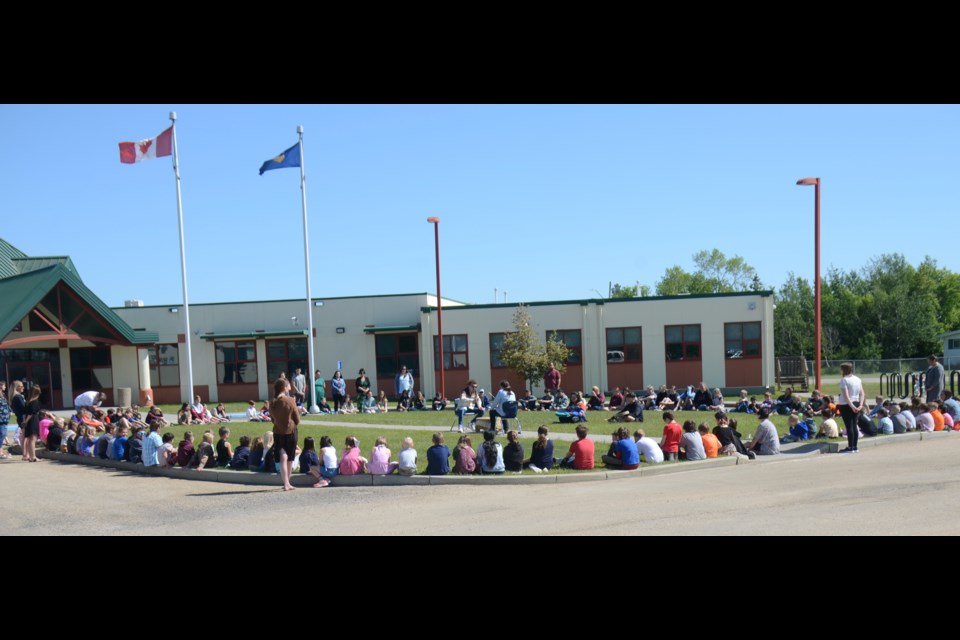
436 235
816 275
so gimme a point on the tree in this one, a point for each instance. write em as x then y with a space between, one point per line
523 353
715 273
624 291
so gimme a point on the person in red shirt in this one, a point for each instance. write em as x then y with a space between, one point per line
551 379
670 443
580 455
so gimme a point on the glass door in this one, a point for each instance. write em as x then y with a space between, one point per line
31 373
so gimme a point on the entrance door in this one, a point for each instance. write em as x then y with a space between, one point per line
32 373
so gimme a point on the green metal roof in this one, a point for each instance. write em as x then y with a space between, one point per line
255 334
26 265
21 293
404 327
9 253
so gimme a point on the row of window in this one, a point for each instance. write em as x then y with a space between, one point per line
237 360
682 342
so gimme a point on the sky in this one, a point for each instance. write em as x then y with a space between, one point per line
544 202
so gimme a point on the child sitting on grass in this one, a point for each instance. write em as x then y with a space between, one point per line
541 454
351 462
491 454
380 464
310 463
205 457
438 457
647 447
828 428
241 457
711 445
623 453
167 455
408 458
185 449
224 450
464 457
580 455
513 453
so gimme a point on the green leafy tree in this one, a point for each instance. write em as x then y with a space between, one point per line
524 354
714 273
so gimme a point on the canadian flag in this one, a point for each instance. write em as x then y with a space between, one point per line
158 147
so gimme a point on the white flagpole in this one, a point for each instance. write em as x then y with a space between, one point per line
306 261
183 262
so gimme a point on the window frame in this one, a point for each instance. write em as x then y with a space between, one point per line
236 362
758 341
624 345
684 343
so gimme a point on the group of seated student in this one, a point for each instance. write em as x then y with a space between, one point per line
198 413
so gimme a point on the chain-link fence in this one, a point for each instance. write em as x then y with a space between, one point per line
866 367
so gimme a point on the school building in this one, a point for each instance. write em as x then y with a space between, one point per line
56 332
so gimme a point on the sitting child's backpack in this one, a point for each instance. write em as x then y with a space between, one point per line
565 417
866 425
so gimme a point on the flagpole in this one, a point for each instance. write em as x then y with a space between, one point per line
306 261
183 261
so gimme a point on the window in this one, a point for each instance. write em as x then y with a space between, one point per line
395 351
91 369
624 345
953 343
164 365
742 339
683 341
496 345
571 338
286 356
236 362
455 354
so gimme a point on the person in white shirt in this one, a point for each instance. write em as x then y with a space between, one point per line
505 394
851 402
407 458
766 442
648 447
89 400
908 414
829 428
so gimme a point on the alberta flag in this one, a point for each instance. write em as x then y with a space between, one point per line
158 147
289 158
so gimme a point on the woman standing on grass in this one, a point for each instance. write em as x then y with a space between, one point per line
363 385
339 386
851 403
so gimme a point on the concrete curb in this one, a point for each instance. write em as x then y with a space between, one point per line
793 451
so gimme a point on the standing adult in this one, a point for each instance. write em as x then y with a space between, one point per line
339 387
286 417
18 404
552 378
362 385
404 382
30 424
300 384
933 379
4 418
89 400
851 402
319 387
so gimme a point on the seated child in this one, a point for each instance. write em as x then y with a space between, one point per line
419 402
438 457
541 454
265 413
167 455
491 454
623 453
224 450
185 450
464 457
691 442
328 456
648 447
85 446
580 454
886 424
310 463
439 402
717 401
403 404
351 462
205 457
156 415
743 404
711 445
828 428
135 447
528 402
513 453
241 457
120 441
380 464
252 415
104 442
408 458
221 413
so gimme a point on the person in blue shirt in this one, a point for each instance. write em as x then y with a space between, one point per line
798 430
120 442
623 452
541 455
151 447
438 457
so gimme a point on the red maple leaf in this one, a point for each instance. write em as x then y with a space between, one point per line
144 146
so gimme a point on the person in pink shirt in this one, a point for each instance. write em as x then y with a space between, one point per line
351 462
380 464
670 442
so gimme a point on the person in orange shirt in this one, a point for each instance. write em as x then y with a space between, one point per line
711 445
937 416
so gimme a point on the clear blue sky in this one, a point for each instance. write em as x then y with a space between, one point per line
546 202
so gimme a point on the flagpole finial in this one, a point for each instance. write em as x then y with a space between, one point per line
173 115
300 129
